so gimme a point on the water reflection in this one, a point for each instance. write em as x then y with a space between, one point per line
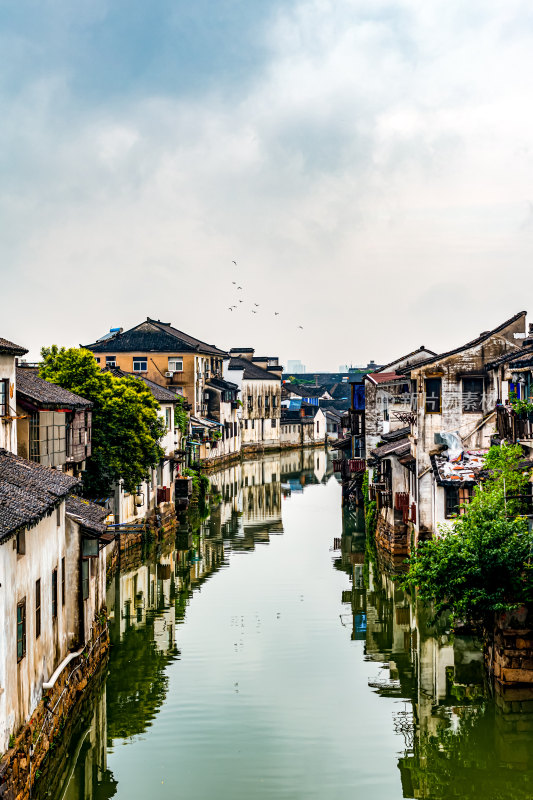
298 680
461 736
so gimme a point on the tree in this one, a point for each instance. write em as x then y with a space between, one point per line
126 427
481 563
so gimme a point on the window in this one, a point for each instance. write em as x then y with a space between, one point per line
250 402
111 361
168 418
273 423
85 579
58 516
259 402
253 424
97 359
318 427
140 365
21 630
63 581
21 543
274 401
267 403
455 497
4 397
175 364
37 608
472 395
54 594
35 447
433 395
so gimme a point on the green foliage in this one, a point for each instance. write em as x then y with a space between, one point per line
371 508
11 740
480 564
126 427
181 418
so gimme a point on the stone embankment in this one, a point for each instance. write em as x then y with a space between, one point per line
26 759
509 656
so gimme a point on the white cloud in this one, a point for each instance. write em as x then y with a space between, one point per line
382 152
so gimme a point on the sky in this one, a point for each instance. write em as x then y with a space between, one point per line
368 165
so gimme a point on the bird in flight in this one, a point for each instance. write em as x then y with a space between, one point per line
239 287
276 313
234 283
301 327
241 301
254 312
235 263
230 308
256 304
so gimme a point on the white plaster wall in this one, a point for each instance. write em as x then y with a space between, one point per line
22 682
8 428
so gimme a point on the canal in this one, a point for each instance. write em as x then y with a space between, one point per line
268 653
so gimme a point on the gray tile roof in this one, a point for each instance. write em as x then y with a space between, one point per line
153 336
479 340
28 492
252 372
10 348
161 393
45 394
88 514
398 447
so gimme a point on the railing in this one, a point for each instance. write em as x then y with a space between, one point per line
337 464
357 464
511 426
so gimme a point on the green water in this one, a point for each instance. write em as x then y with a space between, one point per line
258 659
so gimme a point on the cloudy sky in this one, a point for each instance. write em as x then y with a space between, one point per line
367 164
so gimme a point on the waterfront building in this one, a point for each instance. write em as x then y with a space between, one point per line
54 425
424 456
259 382
165 355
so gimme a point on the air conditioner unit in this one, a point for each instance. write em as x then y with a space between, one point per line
168 374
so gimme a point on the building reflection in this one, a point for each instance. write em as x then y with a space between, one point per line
148 600
460 736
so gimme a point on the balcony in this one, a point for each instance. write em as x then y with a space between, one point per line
512 427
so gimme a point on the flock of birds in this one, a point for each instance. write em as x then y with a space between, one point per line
256 305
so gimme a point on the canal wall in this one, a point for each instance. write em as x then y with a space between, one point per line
49 725
509 655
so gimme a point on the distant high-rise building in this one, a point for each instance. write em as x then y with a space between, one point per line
295 367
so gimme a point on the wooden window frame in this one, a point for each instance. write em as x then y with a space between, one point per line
21 630
63 581
37 608
463 495
85 578
4 397
54 593
479 380
427 402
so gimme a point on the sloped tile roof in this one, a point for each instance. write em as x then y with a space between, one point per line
88 514
28 492
479 340
251 371
160 393
10 348
398 447
43 393
153 336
